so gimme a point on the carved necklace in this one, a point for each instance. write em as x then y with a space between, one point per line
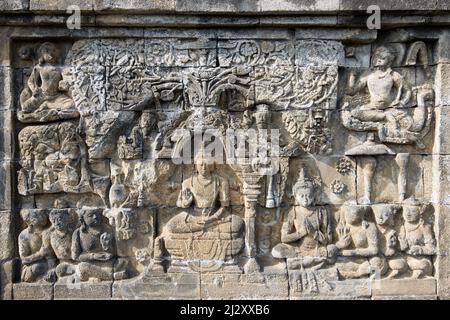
204 184
384 74
413 227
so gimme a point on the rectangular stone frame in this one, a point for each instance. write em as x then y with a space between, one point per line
97 22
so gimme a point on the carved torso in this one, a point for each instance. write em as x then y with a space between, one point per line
30 243
318 222
206 194
380 85
50 77
418 235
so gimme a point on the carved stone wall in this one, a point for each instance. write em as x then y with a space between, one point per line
101 196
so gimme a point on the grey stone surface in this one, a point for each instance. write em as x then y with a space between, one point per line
14 5
6 148
5 186
217 6
6 240
310 6
159 286
398 288
5 88
352 5
134 5
59 5
32 291
6 279
82 291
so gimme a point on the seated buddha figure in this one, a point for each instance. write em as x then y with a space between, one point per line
57 243
45 97
34 259
205 229
357 243
93 247
306 232
417 239
387 88
395 264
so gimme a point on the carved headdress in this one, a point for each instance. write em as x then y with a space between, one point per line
47 50
388 51
414 202
304 181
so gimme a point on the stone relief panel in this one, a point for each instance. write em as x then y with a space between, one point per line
116 192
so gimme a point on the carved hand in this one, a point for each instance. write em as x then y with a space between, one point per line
63 85
348 253
332 250
102 256
392 240
351 83
344 242
51 276
38 92
416 250
342 231
188 197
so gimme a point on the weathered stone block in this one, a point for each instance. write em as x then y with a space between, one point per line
32 291
14 5
442 5
217 6
6 148
6 279
352 5
335 289
443 84
159 286
6 236
5 185
345 34
443 253
299 6
80 290
6 94
404 287
272 285
59 5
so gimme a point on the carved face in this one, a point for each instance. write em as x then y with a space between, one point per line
70 150
92 218
60 221
261 119
382 58
384 215
304 196
47 53
36 219
203 168
411 213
